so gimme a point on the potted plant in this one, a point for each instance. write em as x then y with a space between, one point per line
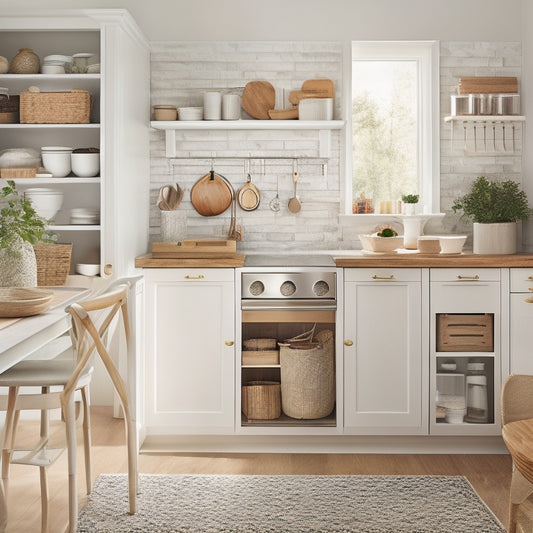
20 228
495 208
409 202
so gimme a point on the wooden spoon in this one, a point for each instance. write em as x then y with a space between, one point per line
294 203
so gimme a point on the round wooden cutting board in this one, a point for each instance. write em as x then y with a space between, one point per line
258 98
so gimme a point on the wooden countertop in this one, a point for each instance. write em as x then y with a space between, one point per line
147 261
406 260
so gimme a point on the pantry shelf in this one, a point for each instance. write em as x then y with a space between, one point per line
324 128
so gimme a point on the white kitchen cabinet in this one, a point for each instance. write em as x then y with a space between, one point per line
520 321
119 126
190 351
465 328
385 351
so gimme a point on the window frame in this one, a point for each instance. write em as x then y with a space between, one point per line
426 53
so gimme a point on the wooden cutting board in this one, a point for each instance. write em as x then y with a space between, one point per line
317 88
258 98
488 84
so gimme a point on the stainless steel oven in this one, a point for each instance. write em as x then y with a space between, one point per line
277 306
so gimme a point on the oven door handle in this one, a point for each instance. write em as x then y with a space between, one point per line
293 305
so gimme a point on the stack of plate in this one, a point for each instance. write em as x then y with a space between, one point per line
56 64
46 202
190 113
84 215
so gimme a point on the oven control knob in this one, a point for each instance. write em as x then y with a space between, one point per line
320 288
288 288
256 288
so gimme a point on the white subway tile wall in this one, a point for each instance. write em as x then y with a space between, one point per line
182 71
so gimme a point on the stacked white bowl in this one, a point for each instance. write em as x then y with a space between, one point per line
85 164
190 113
56 64
46 202
56 159
84 215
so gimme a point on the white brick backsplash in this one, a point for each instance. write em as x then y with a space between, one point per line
182 71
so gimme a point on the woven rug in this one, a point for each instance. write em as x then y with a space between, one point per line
287 504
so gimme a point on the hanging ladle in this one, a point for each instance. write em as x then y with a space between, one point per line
294 203
275 203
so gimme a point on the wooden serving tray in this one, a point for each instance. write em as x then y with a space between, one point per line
194 248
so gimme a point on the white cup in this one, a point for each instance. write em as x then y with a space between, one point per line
212 106
231 107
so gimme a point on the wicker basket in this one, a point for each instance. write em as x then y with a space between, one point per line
261 400
308 377
9 110
12 173
259 344
53 263
73 107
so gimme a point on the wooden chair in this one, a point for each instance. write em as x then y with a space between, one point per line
93 321
517 433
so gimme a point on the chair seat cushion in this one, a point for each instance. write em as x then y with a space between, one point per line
40 373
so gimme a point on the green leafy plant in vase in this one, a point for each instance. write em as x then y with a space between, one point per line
20 228
409 202
495 208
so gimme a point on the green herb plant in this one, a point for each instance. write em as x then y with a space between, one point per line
410 198
387 231
490 202
19 221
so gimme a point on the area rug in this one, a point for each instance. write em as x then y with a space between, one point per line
287 504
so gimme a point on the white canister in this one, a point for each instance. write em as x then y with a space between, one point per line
212 106
231 107
173 225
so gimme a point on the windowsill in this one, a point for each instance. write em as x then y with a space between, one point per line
376 218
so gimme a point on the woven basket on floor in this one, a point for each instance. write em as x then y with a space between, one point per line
53 263
308 377
73 107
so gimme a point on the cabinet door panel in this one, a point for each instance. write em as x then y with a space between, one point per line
521 319
383 367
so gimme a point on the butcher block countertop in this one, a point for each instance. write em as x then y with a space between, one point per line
433 260
147 261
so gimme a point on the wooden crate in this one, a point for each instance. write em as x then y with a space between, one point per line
261 400
488 84
260 357
465 333
194 248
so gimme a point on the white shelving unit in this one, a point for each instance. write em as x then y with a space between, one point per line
489 135
323 127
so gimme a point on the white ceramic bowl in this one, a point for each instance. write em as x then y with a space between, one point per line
455 416
452 244
85 165
190 113
52 69
373 243
56 162
46 202
88 269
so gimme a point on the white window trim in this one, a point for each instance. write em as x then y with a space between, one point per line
427 53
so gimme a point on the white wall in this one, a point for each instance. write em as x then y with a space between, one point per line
180 20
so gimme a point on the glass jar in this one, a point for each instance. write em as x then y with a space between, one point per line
476 394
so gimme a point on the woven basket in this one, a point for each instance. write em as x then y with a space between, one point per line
259 344
308 377
9 110
72 107
8 173
53 263
261 400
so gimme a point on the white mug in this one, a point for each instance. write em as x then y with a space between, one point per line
231 107
212 106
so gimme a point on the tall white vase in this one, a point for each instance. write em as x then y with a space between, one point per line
497 238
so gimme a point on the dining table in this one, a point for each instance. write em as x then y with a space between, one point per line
20 337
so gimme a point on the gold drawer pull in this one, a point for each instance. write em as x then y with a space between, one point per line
199 276
530 278
530 289
228 343
468 278
529 300
348 342
383 278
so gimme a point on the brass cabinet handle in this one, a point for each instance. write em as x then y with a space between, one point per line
108 269
383 278
199 276
530 278
348 342
530 289
529 300
468 278
229 343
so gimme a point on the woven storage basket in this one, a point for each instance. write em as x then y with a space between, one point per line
8 173
261 400
308 377
53 263
9 109
260 357
259 344
73 107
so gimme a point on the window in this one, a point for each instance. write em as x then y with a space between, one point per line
395 126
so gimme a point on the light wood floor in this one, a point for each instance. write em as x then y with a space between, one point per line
489 474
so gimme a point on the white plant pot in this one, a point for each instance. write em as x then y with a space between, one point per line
408 209
495 238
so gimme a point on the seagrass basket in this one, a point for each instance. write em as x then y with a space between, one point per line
53 263
308 377
9 109
261 400
72 107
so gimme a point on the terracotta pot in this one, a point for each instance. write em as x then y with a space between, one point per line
25 62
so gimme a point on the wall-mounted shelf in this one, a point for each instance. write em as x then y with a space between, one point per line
487 135
323 127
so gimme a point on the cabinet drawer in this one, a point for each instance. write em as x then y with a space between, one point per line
521 279
383 274
464 274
